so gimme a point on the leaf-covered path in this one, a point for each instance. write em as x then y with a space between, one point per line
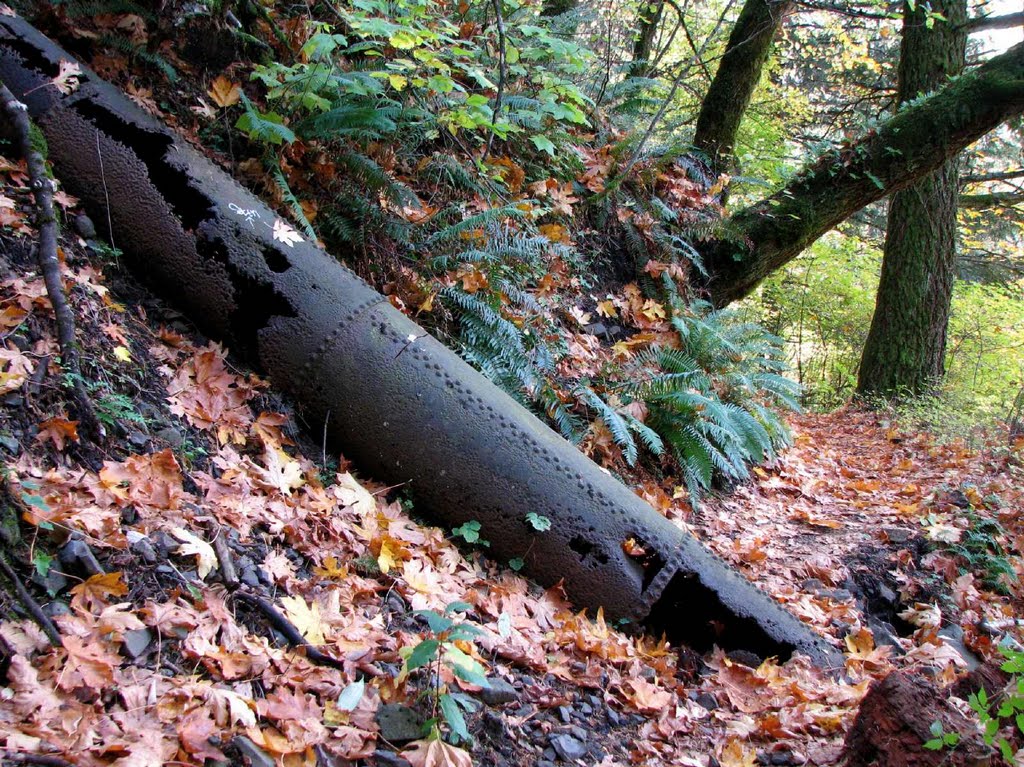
226 592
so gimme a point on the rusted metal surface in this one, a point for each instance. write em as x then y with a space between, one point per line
400 404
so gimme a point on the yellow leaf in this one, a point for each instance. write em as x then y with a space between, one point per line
306 618
398 82
388 556
122 353
206 557
223 92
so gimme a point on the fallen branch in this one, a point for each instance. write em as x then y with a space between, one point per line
49 265
282 624
31 604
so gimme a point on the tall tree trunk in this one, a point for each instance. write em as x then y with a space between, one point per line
919 139
738 75
906 346
648 19
563 20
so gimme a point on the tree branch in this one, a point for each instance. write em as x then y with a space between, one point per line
49 265
991 200
917 140
984 23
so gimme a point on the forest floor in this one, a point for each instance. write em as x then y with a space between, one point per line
193 560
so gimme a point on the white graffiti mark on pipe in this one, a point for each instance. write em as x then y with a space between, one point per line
247 213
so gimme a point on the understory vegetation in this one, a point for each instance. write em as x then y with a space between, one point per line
520 187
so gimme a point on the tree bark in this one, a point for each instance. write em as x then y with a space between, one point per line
905 351
738 75
916 141
648 19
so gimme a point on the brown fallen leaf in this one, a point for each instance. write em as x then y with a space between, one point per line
435 753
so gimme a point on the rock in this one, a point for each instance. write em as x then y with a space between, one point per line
953 635
707 701
84 226
613 717
53 582
568 748
896 534
137 438
579 733
384 758
499 692
172 436
565 714
745 657
163 543
136 642
596 329
9 443
398 723
56 609
144 549
255 755
545 763
129 515
77 554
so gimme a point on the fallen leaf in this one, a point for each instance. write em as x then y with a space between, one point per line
223 92
306 618
206 557
58 429
435 753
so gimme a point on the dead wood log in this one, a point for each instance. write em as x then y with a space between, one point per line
403 406
894 722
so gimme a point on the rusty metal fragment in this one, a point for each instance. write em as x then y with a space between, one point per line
400 404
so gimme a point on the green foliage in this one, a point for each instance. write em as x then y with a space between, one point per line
439 649
941 739
982 550
538 522
710 401
470 533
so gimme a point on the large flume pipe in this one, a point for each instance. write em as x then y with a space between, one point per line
400 404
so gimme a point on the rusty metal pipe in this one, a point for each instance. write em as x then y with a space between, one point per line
399 403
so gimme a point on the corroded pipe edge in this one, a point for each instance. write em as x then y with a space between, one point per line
398 402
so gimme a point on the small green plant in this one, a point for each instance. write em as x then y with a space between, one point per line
439 650
941 739
1001 718
538 522
470 533
983 552
113 409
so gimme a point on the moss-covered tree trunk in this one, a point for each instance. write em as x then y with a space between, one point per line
648 19
738 75
906 346
919 139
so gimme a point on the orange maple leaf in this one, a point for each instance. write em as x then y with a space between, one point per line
58 429
92 594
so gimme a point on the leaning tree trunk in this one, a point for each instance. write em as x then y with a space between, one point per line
736 79
919 139
906 346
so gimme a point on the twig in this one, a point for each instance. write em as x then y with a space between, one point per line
502 72
30 604
10 757
224 559
282 624
49 265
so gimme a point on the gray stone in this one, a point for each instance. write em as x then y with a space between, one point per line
896 534
54 582
253 754
84 226
145 550
613 717
545 763
137 642
499 692
10 444
398 723
596 329
953 635
77 554
56 609
706 700
137 438
565 714
568 748
172 436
